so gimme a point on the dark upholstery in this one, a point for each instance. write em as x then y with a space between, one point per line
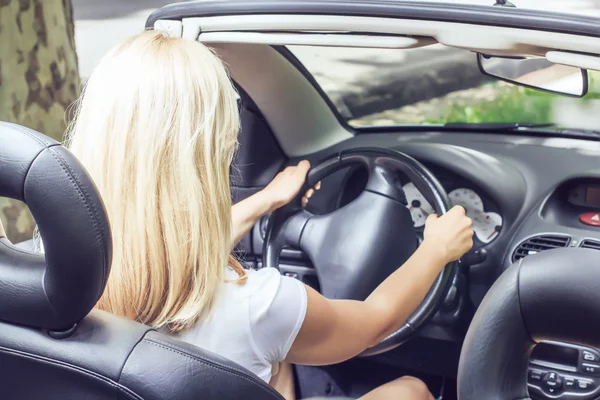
52 346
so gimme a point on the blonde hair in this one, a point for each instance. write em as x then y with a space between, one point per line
156 128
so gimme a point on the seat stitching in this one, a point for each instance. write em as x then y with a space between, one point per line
92 212
130 353
169 346
75 368
227 369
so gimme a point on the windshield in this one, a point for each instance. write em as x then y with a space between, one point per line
435 85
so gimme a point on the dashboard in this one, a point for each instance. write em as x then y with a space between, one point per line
514 188
524 194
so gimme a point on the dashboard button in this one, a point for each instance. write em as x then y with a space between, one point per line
592 218
552 382
551 376
552 390
584 386
590 368
535 375
569 383
589 356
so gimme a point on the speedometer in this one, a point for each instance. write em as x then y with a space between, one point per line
468 199
486 225
418 206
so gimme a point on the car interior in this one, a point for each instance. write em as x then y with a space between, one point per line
516 318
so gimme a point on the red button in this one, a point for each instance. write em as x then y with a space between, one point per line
592 218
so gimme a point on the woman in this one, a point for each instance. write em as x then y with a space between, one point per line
156 128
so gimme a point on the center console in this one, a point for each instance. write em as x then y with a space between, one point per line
564 371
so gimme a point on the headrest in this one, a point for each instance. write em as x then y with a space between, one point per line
56 291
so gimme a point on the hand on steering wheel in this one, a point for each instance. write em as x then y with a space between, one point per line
287 184
354 248
452 231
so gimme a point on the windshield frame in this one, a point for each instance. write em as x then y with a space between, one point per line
295 61
508 17
212 16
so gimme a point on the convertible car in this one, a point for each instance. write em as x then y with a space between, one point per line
404 109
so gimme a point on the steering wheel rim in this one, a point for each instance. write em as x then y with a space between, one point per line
553 295
383 201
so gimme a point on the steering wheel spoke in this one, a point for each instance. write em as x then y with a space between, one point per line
294 227
385 181
284 229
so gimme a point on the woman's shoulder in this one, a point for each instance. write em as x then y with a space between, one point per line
256 278
264 276
259 286
262 283
265 289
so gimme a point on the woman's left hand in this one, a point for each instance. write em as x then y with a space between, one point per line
282 189
286 185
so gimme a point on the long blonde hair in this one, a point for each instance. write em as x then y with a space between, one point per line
156 128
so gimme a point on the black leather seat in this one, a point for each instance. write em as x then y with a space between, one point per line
52 346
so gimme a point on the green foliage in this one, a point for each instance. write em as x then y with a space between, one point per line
511 104
593 86
494 102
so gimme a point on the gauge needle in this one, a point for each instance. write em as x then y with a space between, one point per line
492 235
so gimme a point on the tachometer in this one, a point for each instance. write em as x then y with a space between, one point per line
418 206
486 225
468 199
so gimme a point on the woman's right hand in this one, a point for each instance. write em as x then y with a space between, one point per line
452 232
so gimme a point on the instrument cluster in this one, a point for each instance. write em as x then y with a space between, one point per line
486 223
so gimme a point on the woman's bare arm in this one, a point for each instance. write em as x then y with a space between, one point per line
336 330
246 213
282 189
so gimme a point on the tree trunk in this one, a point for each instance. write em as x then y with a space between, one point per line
39 79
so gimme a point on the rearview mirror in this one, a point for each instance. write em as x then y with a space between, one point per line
536 73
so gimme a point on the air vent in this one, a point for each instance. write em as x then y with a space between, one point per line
590 244
540 243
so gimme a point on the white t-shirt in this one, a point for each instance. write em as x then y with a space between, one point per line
253 324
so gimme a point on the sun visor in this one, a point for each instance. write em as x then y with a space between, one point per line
317 39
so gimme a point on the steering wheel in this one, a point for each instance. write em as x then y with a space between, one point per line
357 246
553 295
